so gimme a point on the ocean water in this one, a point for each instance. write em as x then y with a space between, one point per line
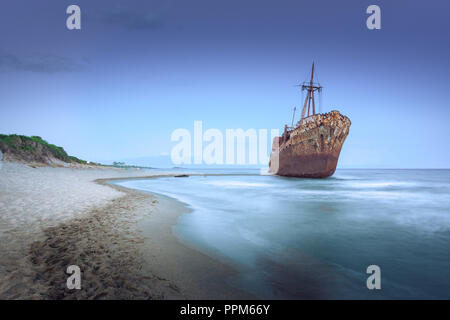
305 238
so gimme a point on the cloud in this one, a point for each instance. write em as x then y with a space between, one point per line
37 63
131 19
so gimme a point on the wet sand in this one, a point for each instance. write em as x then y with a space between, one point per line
196 275
121 239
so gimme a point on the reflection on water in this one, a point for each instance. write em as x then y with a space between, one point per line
306 238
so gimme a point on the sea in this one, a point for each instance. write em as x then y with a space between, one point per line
292 238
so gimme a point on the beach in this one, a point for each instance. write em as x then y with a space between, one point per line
52 217
221 234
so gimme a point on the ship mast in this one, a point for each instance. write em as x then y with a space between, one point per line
293 117
311 87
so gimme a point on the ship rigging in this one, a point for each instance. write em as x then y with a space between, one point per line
311 89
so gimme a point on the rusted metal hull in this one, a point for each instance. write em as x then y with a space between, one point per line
312 149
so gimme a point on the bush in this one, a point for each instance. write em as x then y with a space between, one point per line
24 143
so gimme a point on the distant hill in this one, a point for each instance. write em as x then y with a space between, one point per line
34 150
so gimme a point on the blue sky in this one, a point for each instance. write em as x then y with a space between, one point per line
137 70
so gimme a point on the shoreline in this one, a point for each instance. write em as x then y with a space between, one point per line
195 274
56 217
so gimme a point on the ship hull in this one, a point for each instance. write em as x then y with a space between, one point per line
312 149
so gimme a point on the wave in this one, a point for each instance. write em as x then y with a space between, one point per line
239 184
381 184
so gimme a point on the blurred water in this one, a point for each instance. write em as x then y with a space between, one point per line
307 238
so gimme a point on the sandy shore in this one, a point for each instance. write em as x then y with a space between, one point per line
121 239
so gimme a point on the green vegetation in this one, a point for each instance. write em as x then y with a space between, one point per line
34 146
118 164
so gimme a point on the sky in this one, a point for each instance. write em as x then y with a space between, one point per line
138 70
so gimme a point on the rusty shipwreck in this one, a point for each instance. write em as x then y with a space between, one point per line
311 148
